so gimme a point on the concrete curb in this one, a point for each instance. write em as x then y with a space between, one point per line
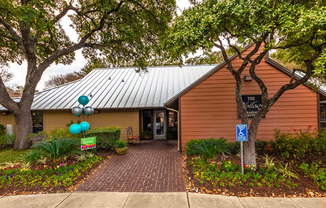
144 200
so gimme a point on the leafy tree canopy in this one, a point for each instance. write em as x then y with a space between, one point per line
298 28
119 29
32 31
295 27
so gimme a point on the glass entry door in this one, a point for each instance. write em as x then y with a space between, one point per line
159 119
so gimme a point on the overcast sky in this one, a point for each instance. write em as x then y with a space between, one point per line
20 70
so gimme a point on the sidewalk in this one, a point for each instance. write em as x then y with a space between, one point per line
150 200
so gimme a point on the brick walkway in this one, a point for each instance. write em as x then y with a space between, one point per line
152 166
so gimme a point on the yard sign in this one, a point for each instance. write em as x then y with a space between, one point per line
88 143
242 136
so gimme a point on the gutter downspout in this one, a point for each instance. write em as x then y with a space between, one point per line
178 120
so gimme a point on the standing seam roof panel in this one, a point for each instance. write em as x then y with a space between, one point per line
71 95
42 97
146 91
158 91
149 90
124 86
103 86
152 91
116 92
115 80
85 91
139 94
84 87
131 89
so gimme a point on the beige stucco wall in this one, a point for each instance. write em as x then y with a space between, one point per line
8 119
121 118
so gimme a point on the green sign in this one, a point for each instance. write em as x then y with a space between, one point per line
88 143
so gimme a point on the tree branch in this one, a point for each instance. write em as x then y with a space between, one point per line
11 31
5 99
82 43
285 87
56 19
259 81
225 56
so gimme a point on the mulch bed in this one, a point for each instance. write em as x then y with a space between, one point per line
306 186
38 189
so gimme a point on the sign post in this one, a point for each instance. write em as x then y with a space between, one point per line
242 135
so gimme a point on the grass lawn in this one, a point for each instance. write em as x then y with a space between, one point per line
13 156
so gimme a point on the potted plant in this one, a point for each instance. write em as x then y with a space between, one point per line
147 135
120 147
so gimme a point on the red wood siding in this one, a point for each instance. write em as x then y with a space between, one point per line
209 109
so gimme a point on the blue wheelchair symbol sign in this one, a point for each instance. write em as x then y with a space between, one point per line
242 132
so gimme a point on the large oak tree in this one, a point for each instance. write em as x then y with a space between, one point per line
31 31
292 26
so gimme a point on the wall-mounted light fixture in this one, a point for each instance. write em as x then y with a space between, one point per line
4 113
247 78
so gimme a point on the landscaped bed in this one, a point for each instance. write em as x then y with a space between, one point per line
298 170
206 177
55 162
36 178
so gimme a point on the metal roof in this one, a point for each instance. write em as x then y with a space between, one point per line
122 88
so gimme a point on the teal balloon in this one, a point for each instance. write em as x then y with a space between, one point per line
84 126
75 129
83 100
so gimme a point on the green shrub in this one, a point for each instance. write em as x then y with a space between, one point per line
298 145
318 145
33 156
57 148
316 173
234 147
119 144
190 146
72 122
62 133
289 145
38 137
208 148
7 140
2 129
105 136
260 145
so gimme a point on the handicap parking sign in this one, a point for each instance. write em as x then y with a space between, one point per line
242 132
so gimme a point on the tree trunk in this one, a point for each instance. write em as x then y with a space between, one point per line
24 125
249 153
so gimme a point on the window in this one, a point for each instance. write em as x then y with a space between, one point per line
37 117
322 108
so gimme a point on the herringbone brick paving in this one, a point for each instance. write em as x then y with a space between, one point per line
152 166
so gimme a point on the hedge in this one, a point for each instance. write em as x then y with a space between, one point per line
105 136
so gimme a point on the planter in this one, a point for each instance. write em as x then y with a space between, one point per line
147 137
121 151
